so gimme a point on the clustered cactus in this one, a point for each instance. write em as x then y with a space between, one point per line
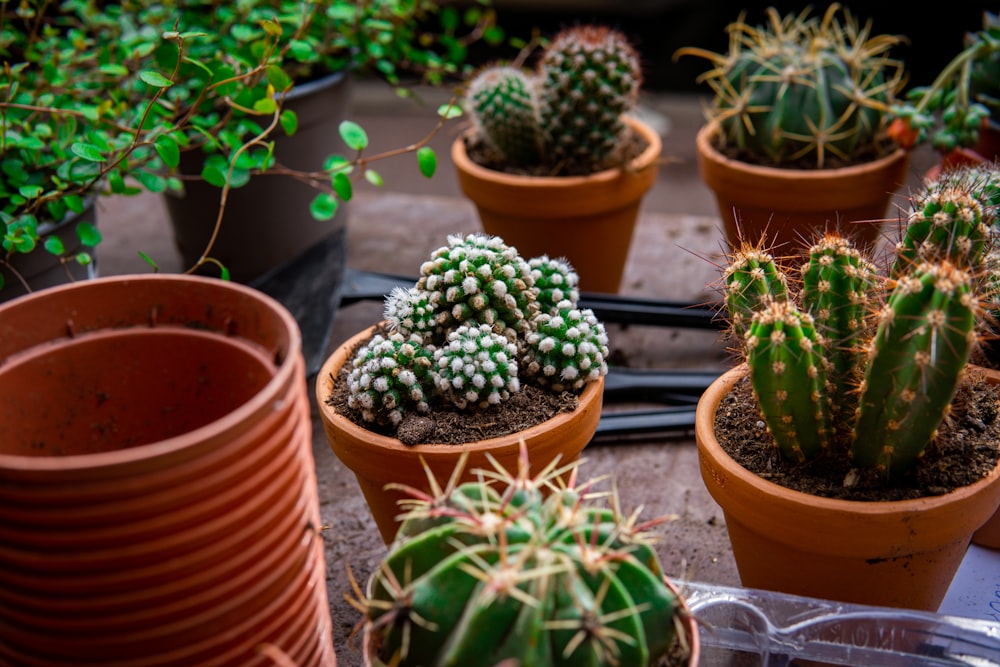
479 321
803 90
568 114
520 570
862 363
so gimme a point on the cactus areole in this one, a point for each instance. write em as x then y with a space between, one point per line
494 571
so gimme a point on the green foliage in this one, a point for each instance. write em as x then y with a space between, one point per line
475 311
523 570
964 95
568 114
868 365
105 98
803 90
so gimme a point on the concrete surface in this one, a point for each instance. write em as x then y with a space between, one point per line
393 230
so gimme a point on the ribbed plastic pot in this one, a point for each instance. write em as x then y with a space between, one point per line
378 460
589 220
790 207
890 554
158 501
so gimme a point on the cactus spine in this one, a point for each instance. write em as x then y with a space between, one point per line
566 116
516 568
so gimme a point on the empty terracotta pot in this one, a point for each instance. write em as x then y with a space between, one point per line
157 487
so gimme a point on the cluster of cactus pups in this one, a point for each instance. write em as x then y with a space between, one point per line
520 570
803 90
479 320
567 115
861 362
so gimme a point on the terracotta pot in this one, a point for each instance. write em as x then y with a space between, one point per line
895 554
790 207
158 500
378 460
689 627
989 534
589 220
251 242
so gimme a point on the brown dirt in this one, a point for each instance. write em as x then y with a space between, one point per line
965 451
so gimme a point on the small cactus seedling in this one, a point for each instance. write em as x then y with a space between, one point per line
515 569
803 90
479 323
566 116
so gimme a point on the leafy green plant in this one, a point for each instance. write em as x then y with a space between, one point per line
479 321
102 98
851 362
567 115
964 95
522 569
803 90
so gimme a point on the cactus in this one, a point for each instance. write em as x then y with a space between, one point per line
503 103
589 77
470 331
803 90
567 116
520 570
825 381
750 277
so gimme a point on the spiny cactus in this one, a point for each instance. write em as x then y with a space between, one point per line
803 89
751 276
566 116
470 331
520 570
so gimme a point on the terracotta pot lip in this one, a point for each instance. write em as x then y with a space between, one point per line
282 377
831 505
707 149
342 423
642 161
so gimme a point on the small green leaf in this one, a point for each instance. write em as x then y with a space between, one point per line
342 186
214 175
265 105
116 181
427 161
88 234
83 258
88 152
373 177
55 245
278 78
169 151
149 260
289 122
449 111
324 206
353 135
155 79
30 191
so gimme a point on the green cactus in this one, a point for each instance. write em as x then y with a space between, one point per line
751 277
520 570
567 116
590 76
803 90
476 367
389 377
555 280
410 311
833 377
502 101
924 338
567 348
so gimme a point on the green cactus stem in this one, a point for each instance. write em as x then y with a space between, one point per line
589 76
476 367
923 341
501 100
788 374
519 569
751 278
390 376
555 281
566 349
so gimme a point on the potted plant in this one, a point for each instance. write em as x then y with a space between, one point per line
796 139
555 160
486 343
165 509
861 378
516 567
959 112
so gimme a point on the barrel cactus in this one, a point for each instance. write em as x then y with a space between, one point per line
567 115
479 323
832 371
514 569
803 90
